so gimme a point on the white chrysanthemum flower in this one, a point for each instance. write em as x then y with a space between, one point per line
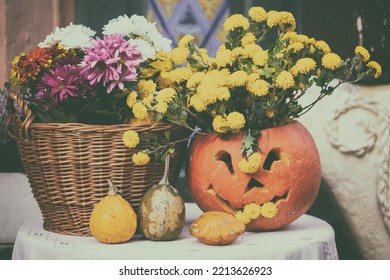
134 27
143 29
51 39
122 24
138 27
162 43
146 49
71 36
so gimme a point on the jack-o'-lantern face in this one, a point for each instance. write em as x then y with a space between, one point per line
289 174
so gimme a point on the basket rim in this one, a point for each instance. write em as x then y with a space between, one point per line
104 127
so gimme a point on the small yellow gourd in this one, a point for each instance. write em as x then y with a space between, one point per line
216 228
113 220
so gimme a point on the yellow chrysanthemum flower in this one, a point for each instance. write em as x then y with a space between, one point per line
197 103
295 47
235 120
312 49
195 80
322 46
363 52
252 77
147 101
165 95
222 93
248 39
163 62
206 91
285 80
203 55
252 210
236 21
179 55
293 70
290 36
131 99
161 108
223 57
219 124
130 138
285 20
258 87
252 49
239 52
183 42
214 78
15 70
140 158
146 88
223 72
242 217
180 75
260 58
251 164
269 210
164 80
301 38
257 14
376 67
238 78
305 65
140 111
272 18
331 61
311 41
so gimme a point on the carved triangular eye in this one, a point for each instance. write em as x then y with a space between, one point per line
227 159
274 155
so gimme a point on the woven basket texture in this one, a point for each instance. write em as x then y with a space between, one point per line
68 166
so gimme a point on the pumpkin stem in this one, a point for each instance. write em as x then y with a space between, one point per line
113 191
164 179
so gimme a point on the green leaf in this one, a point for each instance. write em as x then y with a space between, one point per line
167 134
265 72
158 117
249 144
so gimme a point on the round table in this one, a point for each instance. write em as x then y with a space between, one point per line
306 238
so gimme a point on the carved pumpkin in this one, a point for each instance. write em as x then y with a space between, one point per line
289 174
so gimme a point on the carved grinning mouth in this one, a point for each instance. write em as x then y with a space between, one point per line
228 208
222 202
284 197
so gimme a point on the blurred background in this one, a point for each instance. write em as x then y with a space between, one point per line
23 24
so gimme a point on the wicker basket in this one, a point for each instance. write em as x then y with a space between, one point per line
68 165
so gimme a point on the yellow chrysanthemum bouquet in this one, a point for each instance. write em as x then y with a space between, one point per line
248 86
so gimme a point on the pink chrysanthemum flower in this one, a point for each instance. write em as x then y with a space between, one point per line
61 83
43 98
111 61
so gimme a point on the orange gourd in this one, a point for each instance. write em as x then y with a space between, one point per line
216 228
113 220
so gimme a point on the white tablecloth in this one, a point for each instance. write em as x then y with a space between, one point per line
306 238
